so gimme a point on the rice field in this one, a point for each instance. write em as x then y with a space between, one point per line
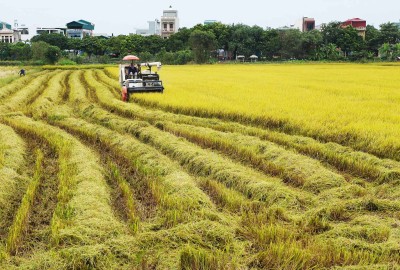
291 166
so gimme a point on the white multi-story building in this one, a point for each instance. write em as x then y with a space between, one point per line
50 30
169 22
154 29
9 35
79 29
305 24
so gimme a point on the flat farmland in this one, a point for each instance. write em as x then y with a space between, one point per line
290 166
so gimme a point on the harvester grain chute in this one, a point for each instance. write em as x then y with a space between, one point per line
139 78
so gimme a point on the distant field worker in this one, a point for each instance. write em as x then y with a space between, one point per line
21 72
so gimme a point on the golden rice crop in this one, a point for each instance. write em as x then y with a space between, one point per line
355 105
234 167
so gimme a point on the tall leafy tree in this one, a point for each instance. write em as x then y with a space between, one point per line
390 33
52 54
93 45
39 50
202 43
241 41
152 44
331 32
311 42
291 43
222 34
372 39
53 39
4 51
349 41
178 41
20 51
272 43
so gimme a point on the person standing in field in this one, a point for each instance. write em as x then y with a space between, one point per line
132 71
21 72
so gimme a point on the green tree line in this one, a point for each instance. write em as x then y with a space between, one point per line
217 41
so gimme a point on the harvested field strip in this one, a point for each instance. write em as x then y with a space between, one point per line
12 155
18 84
359 142
173 189
37 233
13 178
29 93
270 158
65 94
81 103
51 95
127 196
341 157
314 223
7 80
199 161
129 187
205 163
114 90
327 107
83 215
119 171
16 230
170 217
226 198
311 224
77 92
183 208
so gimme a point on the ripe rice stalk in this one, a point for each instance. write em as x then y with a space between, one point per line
293 168
210 237
174 190
128 197
343 158
224 197
16 230
283 256
51 95
151 156
77 92
83 213
328 102
228 196
199 259
12 159
21 98
18 84
202 162
189 155
8 75
73 67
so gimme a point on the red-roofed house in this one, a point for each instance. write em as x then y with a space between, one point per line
359 24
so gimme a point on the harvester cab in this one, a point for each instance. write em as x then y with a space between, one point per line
140 78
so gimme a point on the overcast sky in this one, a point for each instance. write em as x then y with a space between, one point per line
124 17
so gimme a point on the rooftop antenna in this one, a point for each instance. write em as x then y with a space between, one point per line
15 23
